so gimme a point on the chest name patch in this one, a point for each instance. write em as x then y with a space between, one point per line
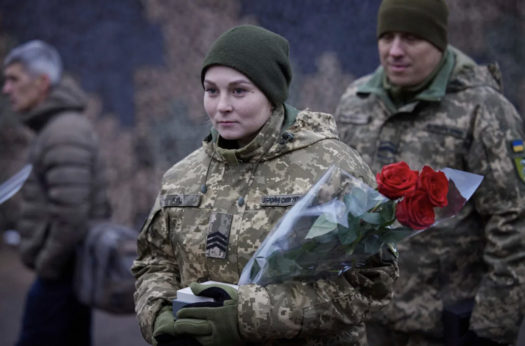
447 131
180 200
279 200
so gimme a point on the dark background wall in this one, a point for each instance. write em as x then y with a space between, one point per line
140 63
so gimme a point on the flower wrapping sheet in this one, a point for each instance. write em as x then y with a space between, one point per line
341 221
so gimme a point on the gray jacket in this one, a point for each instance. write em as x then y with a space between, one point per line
66 187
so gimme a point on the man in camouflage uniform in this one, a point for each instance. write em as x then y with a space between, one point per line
241 193
430 104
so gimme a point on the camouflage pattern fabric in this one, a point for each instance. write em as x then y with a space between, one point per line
276 164
479 254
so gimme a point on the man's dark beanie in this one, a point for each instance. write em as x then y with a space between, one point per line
259 54
427 19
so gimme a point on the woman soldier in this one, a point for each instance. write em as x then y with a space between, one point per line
218 204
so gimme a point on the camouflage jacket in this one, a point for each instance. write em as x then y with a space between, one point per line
66 188
248 190
461 121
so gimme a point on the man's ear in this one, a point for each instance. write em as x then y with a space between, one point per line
43 84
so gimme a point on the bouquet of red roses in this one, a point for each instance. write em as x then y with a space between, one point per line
341 222
420 193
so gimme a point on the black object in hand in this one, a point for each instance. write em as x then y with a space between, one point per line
179 340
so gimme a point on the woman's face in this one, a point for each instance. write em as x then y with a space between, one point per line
236 107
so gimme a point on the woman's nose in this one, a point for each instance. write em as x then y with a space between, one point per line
224 104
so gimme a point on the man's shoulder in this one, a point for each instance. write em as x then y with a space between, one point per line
360 88
68 127
470 76
479 85
72 119
356 98
358 83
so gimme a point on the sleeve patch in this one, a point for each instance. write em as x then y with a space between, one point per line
517 146
517 154
519 162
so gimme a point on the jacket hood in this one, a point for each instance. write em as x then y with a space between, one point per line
278 136
468 74
66 96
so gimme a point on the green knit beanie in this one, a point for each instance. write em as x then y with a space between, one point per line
427 19
259 54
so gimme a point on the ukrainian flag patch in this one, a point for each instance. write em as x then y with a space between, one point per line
517 145
518 156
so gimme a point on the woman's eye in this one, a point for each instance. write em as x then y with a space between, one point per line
239 91
210 90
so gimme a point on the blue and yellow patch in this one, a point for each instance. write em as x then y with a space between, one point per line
517 146
518 156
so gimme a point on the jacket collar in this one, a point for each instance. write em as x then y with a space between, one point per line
66 96
434 92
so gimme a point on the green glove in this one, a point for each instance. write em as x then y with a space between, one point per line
164 325
211 323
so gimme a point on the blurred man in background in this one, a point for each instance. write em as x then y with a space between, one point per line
461 283
65 190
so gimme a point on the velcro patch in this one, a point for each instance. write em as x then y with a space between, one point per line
357 119
218 235
447 130
279 200
519 162
180 200
517 152
517 146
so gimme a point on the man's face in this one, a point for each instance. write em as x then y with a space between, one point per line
24 90
407 59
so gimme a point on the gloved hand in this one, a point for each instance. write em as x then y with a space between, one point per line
211 323
164 331
164 327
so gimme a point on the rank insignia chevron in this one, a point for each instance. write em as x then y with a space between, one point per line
218 235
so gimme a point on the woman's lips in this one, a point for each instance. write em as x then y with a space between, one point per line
226 123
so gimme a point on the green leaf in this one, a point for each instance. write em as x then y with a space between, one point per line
372 218
347 235
360 201
254 270
388 212
396 235
320 227
281 263
354 222
355 202
327 238
372 244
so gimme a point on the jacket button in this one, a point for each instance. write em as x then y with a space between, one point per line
240 201
286 137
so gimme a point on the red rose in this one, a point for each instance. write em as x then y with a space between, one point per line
396 180
435 184
415 211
